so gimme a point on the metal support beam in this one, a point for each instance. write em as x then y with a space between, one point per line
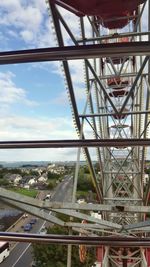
88 218
91 226
75 143
6 195
72 96
122 75
36 212
75 52
113 114
76 240
112 36
137 225
134 84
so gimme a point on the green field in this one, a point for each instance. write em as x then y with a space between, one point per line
26 192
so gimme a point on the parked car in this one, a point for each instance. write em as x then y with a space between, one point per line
27 227
25 215
81 201
47 197
33 221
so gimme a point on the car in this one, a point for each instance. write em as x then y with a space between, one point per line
33 221
25 215
27 227
81 201
47 197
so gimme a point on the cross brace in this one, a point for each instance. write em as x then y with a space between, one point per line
75 52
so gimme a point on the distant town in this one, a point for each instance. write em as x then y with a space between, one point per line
16 164
46 175
33 175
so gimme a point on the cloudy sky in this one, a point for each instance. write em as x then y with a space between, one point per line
33 99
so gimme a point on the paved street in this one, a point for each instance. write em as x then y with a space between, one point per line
21 253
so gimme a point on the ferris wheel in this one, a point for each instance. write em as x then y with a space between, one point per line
109 37
104 49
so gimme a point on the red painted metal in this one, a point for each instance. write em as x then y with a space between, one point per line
82 249
120 116
120 177
148 257
117 83
99 255
121 148
111 21
119 93
117 60
97 7
118 126
106 10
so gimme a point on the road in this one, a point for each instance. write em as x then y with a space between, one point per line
21 255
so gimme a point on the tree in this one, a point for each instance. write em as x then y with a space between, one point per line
4 182
51 185
147 170
97 167
86 169
34 173
85 182
56 255
51 175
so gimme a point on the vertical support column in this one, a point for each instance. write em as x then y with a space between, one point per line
99 253
144 261
69 252
148 257
105 262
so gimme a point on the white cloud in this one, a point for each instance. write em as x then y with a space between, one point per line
80 93
19 14
77 71
48 154
10 93
12 33
27 35
9 3
25 128
63 97
15 127
27 20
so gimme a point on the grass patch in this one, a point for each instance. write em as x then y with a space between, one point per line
81 194
25 192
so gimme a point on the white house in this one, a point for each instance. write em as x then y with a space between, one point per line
145 178
42 179
15 178
32 181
